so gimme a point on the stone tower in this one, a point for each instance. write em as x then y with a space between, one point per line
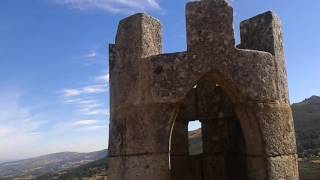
239 94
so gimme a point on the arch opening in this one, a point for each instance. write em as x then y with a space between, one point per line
222 153
195 142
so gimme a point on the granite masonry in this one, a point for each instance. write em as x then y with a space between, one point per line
238 93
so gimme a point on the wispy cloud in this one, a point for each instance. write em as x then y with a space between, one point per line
71 92
85 123
113 6
87 99
103 78
6 131
91 55
18 126
91 107
89 124
92 89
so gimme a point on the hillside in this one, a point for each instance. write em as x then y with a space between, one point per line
195 143
96 169
75 165
47 164
306 115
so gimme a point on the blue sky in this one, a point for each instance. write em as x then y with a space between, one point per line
54 70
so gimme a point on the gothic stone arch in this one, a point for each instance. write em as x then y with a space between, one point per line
223 153
148 89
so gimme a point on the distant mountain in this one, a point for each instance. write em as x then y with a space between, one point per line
95 170
47 164
195 142
306 115
62 166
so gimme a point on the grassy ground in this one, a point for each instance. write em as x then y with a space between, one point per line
309 169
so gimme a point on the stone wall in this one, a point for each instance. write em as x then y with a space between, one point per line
224 154
248 133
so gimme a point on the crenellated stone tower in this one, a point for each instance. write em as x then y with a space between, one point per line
239 94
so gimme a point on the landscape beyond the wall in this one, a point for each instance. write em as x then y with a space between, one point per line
307 124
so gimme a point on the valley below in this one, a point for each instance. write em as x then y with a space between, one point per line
93 166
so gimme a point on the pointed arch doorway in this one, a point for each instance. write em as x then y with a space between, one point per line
223 149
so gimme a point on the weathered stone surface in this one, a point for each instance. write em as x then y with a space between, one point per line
276 123
140 167
239 94
214 167
283 167
179 139
274 168
251 131
207 28
186 168
258 168
138 36
141 129
263 33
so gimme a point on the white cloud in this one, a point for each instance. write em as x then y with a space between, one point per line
88 125
71 92
100 85
19 127
5 131
91 107
29 130
93 111
113 6
89 56
103 78
85 123
92 89
87 99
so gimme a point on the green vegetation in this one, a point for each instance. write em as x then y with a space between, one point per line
195 142
94 169
307 124
306 117
48 164
309 169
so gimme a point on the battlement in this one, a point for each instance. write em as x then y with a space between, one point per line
209 23
239 94
140 36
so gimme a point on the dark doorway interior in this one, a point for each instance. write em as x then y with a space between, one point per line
217 150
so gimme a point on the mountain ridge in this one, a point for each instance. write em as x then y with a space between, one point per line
312 100
306 116
50 163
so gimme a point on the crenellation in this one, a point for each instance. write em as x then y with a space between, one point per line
247 126
207 28
264 33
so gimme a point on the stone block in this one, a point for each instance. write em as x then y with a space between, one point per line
181 168
283 167
179 139
214 167
257 168
142 129
276 124
148 91
140 167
